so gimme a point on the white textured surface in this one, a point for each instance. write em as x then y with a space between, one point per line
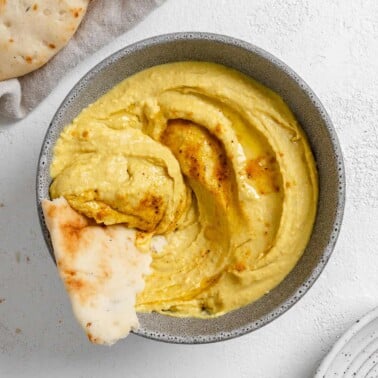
333 45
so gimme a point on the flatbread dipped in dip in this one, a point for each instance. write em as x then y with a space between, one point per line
101 268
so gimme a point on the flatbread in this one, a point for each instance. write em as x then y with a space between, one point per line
101 268
32 32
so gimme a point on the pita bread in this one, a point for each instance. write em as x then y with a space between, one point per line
101 268
32 32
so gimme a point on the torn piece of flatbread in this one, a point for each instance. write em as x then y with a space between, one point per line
101 268
32 32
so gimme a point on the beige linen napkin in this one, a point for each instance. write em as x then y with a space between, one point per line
105 20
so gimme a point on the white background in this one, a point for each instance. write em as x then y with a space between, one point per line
333 45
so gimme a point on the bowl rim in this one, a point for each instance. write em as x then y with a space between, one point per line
281 66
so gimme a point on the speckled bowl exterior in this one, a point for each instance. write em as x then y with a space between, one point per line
355 353
268 70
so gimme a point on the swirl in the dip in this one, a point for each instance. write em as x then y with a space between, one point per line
210 159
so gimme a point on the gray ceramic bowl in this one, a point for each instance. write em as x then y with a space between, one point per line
276 75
